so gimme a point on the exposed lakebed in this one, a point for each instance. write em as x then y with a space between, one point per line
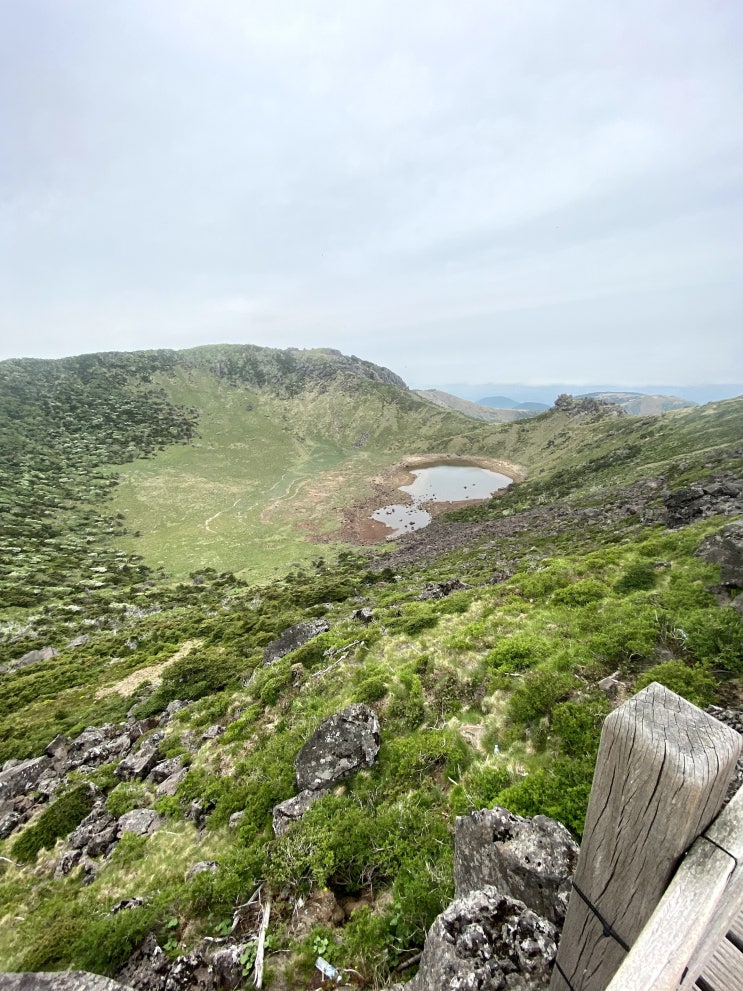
437 484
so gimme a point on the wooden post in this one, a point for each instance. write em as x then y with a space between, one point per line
662 771
700 905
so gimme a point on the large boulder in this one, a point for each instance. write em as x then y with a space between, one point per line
726 549
141 822
346 741
531 860
34 657
21 778
487 941
294 637
68 980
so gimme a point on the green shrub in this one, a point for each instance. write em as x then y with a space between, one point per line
560 791
581 593
58 820
479 787
537 693
576 726
407 760
518 652
695 684
636 578
125 797
406 707
715 636
370 690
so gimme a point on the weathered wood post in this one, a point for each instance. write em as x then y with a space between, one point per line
662 771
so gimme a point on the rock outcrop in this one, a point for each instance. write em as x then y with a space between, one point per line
69 980
345 742
512 877
487 941
531 859
721 493
292 638
726 549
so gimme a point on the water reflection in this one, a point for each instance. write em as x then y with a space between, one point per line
438 483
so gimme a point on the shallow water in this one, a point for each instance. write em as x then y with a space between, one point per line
454 483
439 483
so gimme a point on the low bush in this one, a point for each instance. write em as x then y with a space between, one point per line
58 820
695 684
537 693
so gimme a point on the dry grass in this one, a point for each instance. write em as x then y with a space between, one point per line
152 674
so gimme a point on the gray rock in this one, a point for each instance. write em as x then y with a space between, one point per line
487 941
726 549
139 764
294 637
78 641
531 860
227 966
162 771
170 785
342 744
101 842
22 777
364 615
125 904
68 980
34 657
203 867
147 968
235 819
142 726
98 821
8 823
439 590
212 732
58 747
285 813
610 686
141 822
67 862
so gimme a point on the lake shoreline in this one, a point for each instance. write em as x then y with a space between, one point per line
359 528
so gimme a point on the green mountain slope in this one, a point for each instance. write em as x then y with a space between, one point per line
486 688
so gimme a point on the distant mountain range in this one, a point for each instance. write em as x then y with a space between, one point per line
519 393
504 409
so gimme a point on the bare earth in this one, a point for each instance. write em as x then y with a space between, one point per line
357 527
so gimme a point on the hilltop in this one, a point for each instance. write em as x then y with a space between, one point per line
158 689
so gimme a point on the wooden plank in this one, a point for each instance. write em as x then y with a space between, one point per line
662 771
694 914
724 972
727 832
736 929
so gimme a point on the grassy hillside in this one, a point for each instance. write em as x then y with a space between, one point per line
485 695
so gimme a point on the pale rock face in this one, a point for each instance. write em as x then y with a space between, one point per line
531 860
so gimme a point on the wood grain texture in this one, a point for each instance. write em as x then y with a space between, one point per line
693 916
725 970
662 771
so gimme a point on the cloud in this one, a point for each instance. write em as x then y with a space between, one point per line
420 183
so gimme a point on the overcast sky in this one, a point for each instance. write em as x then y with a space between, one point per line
479 190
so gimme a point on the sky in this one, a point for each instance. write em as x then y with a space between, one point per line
486 190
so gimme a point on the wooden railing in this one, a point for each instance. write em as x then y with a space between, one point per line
657 883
